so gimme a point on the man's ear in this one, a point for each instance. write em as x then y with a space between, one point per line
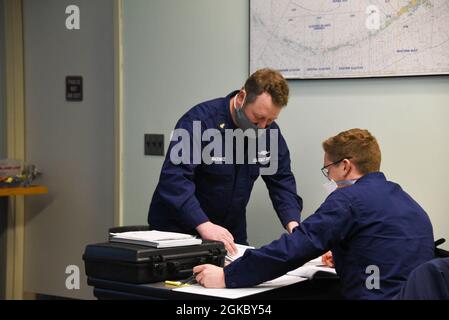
347 165
241 97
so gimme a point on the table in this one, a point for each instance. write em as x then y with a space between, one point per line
319 288
20 191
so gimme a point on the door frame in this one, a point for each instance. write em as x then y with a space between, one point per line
15 142
118 116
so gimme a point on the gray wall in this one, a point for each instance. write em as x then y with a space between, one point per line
3 201
178 53
71 142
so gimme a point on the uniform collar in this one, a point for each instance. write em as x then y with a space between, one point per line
373 176
224 121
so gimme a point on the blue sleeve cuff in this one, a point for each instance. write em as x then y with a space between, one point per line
192 214
288 215
230 280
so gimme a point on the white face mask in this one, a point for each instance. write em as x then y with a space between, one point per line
331 185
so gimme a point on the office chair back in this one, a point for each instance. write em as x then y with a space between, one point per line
428 281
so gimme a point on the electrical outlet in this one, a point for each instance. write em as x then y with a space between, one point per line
154 144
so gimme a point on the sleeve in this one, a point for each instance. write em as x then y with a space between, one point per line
282 186
312 238
176 183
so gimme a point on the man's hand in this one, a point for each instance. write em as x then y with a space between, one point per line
291 225
327 259
210 231
210 276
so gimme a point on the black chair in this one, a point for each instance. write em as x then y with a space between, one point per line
440 253
430 280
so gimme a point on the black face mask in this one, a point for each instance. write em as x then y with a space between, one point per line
243 121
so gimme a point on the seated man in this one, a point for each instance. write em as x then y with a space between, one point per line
377 233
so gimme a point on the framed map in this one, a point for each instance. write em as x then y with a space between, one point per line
306 39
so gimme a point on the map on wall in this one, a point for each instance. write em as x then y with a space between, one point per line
350 38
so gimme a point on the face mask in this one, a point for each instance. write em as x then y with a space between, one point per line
331 185
242 120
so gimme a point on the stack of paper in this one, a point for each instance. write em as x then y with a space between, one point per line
157 239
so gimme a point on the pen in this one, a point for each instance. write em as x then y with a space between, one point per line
190 280
174 283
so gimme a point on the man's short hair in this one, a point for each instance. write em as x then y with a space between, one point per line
269 81
358 144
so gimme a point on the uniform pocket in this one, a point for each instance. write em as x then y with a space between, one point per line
214 184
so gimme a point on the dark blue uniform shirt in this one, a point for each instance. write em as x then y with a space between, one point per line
190 194
371 223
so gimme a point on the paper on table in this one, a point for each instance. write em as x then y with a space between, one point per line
240 251
242 292
309 269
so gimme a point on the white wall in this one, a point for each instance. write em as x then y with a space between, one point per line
71 142
179 53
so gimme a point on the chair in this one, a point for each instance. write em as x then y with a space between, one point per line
428 281
440 253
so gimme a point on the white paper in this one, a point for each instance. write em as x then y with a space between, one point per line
158 239
309 269
240 251
241 292
152 235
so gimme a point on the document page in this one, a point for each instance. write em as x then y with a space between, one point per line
236 293
309 269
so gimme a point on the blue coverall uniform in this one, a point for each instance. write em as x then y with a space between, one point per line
371 223
190 194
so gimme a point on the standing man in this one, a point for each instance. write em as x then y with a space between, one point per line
209 198
377 233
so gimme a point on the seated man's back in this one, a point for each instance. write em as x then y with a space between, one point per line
389 236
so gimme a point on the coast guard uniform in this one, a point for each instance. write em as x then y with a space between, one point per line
371 223
189 194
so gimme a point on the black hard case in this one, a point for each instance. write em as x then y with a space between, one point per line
142 264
